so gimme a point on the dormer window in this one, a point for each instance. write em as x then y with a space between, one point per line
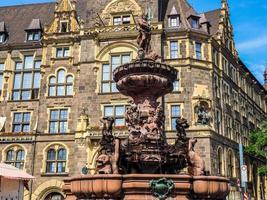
194 23
33 35
2 37
34 30
3 32
119 20
174 21
64 26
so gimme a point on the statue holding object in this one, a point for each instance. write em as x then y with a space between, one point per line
107 160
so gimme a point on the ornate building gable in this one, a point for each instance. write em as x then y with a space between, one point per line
121 6
225 31
65 18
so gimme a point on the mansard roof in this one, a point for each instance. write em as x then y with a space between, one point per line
19 18
214 19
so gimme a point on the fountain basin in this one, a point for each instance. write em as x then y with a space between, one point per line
145 77
137 187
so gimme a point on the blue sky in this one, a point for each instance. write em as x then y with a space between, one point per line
249 19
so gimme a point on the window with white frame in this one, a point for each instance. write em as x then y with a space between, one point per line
58 121
21 122
174 49
56 160
27 79
33 35
15 157
174 21
62 52
117 112
2 68
61 84
123 19
107 83
175 114
198 50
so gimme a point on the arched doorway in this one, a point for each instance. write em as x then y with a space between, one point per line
54 196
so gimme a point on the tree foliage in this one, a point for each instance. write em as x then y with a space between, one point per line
258 145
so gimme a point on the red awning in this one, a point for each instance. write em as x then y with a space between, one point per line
11 172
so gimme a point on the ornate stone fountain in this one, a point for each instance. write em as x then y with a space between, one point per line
145 166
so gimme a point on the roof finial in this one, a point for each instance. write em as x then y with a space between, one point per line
224 4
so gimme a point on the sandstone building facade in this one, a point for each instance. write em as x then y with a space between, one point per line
56 62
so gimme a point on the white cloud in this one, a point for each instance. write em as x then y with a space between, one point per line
253 44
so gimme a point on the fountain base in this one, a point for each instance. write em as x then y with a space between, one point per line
147 187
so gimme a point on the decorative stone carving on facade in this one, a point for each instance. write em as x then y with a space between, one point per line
64 11
83 121
202 111
121 6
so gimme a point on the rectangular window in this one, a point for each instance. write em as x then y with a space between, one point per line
173 21
64 26
62 52
175 113
27 78
194 23
119 20
58 122
108 85
117 112
33 35
126 19
2 37
2 68
21 122
198 47
174 49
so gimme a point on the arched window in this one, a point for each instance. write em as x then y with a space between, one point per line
15 157
61 85
54 196
56 160
230 164
220 161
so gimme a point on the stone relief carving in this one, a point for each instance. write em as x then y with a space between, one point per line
121 6
203 115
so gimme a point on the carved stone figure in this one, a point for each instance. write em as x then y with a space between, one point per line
144 37
196 165
203 115
107 161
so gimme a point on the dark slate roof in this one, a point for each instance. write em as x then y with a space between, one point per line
2 27
18 18
35 25
214 18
